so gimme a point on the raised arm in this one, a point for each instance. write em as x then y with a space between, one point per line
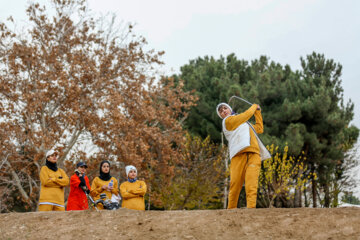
258 126
235 121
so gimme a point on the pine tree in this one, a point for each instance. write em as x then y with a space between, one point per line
304 109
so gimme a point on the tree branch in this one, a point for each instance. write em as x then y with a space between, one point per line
17 182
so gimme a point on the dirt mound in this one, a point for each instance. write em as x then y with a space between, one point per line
303 223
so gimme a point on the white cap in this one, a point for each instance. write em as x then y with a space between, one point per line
128 168
51 152
222 104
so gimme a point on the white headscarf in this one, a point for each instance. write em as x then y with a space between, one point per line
222 104
51 152
128 168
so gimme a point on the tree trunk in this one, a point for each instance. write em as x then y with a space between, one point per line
226 181
17 182
327 195
225 193
335 200
149 203
314 192
305 197
297 197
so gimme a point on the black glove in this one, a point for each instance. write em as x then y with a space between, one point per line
82 181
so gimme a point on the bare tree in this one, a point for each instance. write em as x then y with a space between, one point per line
70 83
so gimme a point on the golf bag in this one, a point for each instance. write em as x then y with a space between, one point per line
107 203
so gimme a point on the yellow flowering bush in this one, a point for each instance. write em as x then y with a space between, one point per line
281 175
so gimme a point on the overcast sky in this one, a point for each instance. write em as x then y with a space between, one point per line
280 29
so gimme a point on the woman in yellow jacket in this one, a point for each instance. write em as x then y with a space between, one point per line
105 183
53 182
246 151
132 191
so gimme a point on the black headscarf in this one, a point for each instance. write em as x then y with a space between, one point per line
51 166
104 176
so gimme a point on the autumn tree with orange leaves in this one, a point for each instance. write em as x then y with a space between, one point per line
87 88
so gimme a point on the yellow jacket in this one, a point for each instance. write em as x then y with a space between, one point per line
96 189
52 185
133 195
235 121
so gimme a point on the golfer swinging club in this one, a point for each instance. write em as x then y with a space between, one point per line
246 151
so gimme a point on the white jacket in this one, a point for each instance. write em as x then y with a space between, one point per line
239 139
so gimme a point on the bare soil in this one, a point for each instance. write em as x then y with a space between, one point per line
301 223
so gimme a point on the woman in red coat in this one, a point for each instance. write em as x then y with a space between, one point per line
79 184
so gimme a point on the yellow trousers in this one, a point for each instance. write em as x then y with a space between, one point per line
48 207
244 167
